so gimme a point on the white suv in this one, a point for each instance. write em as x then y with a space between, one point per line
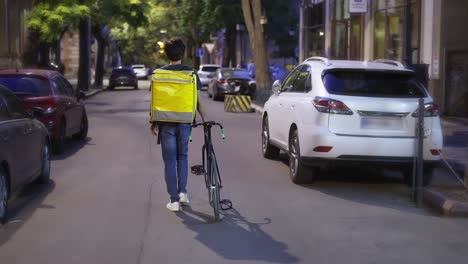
333 111
141 71
207 72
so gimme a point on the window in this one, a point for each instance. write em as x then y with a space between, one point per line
299 85
60 87
236 74
288 84
26 86
373 84
389 36
15 107
209 68
68 87
3 110
346 32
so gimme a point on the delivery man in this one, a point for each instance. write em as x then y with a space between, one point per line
174 92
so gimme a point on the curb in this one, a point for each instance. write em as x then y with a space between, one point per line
257 109
443 204
93 93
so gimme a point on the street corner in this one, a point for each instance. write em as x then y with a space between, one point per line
448 200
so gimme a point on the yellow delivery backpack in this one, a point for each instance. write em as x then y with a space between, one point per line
173 96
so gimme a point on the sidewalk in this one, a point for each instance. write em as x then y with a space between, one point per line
92 91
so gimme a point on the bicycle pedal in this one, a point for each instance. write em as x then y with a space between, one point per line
198 170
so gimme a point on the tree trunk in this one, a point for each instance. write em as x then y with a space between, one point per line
44 59
84 74
101 49
252 10
231 43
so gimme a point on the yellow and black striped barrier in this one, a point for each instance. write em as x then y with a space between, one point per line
237 103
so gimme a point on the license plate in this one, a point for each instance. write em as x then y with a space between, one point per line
237 89
382 123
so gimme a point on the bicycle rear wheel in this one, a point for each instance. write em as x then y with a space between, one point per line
214 190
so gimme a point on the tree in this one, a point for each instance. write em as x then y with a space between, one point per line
108 13
252 10
49 20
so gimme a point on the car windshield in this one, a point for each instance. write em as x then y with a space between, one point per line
236 74
26 86
209 68
373 83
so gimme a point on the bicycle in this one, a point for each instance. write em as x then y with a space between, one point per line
210 169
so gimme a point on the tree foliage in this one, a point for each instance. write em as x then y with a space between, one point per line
50 19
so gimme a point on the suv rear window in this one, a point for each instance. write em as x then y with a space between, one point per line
26 86
209 68
373 83
236 74
123 70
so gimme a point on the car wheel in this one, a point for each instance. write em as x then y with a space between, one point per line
3 196
83 128
135 87
428 175
269 151
59 143
298 172
45 169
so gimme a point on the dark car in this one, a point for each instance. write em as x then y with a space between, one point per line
231 81
24 148
123 77
64 110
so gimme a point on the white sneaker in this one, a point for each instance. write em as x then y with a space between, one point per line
183 199
174 207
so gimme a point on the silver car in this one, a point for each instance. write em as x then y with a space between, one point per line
206 73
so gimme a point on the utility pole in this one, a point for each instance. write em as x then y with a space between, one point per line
408 34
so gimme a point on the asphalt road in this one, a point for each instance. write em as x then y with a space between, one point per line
106 204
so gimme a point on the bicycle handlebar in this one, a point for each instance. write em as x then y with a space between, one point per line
209 124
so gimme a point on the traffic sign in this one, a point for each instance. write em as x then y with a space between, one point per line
200 52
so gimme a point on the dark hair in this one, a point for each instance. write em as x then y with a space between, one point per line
174 49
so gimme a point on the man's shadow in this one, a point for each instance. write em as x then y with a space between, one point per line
235 238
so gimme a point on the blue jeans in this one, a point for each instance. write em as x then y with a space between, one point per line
174 144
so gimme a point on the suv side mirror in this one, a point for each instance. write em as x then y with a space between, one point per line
276 87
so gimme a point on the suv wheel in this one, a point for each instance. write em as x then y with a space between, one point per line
269 151
298 172
3 196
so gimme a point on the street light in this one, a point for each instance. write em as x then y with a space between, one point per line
163 31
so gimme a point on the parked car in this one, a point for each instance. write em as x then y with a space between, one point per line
24 148
207 72
343 112
123 76
141 71
64 110
231 81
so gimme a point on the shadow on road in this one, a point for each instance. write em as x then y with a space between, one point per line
23 206
71 148
235 238
367 185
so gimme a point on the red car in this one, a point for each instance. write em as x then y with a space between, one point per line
64 110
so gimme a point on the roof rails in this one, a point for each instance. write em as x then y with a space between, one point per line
322 59
390 62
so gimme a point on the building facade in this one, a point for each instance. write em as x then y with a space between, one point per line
427 35
13 32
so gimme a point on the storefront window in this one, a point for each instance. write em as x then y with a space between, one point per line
346 32
389 31
315 41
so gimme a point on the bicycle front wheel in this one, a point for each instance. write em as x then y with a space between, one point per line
214 190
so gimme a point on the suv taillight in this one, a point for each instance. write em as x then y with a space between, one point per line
327 105
430 110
